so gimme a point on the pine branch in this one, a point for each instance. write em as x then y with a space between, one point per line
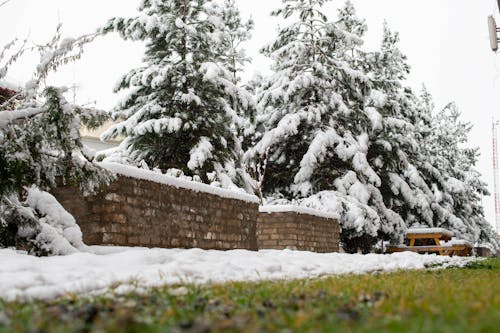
4 3
8 117
7 102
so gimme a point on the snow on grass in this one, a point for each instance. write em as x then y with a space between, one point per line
24 277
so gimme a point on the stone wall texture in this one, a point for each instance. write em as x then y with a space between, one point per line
483 252
135 212
296 231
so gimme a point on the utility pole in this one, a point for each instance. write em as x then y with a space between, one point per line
494 40
496 184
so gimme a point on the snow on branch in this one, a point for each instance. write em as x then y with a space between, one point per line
200 153
10 116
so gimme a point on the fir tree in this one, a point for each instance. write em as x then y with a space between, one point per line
313 107
178 114
434 207
236 32
394 147
348 22
460 188
232 56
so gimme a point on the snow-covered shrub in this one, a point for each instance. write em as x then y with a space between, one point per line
44 226
40 148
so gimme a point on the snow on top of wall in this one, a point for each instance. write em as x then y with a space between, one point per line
134 172
24 277
4 83
429 231
298 210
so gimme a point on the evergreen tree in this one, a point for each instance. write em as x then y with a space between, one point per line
236 32
316 137
232 56
437 205
348 22
449 187
181 111
460 189
394 149
40 148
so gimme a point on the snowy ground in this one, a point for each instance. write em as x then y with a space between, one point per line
25 277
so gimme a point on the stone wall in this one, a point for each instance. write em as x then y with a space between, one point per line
144 208
298 231
483 252
138 212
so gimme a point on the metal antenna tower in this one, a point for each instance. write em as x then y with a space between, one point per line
496 184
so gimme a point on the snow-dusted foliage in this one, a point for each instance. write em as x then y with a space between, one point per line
235 32
57 232
186 108
232 56
459 188
317 115
338 132
393 147
333 128
40 148
422 156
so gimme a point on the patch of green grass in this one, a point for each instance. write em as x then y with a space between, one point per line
484 264
448 300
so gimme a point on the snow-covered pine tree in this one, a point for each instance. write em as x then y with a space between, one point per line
316 137
236 32
432 174
460 190
445 165
348 22
397 152
178 114
40 148
394 149
232 56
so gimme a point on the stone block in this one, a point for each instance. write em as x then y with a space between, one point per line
113 239
156 240
114 197
117 218
134 240
145 240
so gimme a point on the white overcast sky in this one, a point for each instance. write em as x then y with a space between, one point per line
446 42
